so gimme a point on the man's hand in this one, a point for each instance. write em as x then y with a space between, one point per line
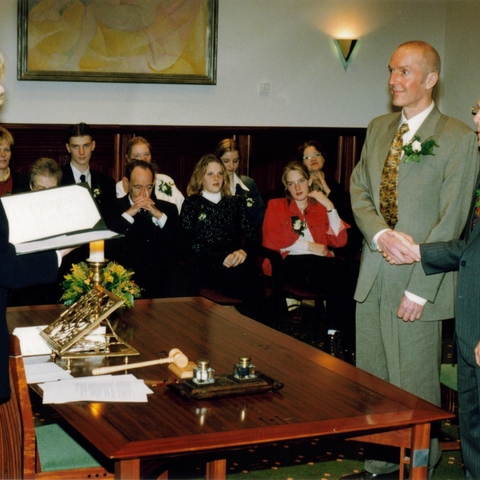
398 248
409 311
477 354
235 258
145 203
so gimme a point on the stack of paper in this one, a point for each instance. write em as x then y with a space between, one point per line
45 372
106 388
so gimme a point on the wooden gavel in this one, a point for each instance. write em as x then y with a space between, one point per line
174 356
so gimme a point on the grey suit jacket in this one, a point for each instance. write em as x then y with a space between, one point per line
462 255
433 197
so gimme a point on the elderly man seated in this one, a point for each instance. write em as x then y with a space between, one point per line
45 173
151 242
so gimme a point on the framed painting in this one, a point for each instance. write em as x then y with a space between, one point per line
142 41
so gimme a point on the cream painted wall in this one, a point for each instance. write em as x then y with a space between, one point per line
284 42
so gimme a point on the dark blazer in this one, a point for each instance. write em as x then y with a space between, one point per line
20 182
253 199
153 253
462 255
17 272
103 186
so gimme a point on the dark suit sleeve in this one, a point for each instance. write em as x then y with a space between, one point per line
441 257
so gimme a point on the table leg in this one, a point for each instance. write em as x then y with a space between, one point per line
419 452
127 469
217 469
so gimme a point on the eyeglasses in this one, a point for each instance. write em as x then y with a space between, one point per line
36 187
314 155
474 110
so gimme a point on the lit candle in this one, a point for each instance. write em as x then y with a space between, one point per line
96 251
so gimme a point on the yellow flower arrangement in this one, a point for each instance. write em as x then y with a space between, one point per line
115 279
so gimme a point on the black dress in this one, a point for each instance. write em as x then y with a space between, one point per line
212 232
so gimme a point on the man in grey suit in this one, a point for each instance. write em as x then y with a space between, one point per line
399 308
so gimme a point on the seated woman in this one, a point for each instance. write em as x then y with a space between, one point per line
243 186
10 181
304 227
312 155
165 189
221 237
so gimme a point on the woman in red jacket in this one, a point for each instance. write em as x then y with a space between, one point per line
304 227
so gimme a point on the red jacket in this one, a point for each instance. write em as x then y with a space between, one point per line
278 230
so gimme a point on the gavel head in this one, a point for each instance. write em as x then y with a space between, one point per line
178 358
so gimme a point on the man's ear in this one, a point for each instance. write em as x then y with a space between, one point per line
432 79
93 145
125 184
67 146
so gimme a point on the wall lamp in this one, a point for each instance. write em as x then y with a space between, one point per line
345 49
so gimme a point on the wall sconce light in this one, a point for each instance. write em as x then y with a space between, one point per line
345 49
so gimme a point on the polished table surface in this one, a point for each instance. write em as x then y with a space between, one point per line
321 395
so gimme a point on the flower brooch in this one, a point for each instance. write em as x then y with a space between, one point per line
415 148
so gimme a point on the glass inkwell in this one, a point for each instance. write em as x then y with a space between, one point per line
244 370
203 373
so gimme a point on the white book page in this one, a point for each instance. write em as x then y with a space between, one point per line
48 213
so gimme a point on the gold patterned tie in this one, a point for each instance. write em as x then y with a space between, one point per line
389 181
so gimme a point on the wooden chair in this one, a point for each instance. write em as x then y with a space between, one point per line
19 442
281 289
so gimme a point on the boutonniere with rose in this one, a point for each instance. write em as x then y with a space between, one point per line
165 187
298 225
415 148
97 192
249 201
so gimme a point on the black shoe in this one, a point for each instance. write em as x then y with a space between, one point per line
364 475
336 349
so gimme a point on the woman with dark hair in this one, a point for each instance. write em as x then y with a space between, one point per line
312 155
227 151
303 228
221 238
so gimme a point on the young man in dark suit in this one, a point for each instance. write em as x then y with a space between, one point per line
151 242
80 145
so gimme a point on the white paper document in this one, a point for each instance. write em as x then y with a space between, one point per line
106 388
54 218
45 372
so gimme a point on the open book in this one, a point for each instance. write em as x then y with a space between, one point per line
53 219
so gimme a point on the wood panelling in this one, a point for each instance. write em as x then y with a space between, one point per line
176 149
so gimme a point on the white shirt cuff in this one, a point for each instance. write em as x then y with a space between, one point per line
415 298
374 244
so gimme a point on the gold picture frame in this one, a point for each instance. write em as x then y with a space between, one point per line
150 41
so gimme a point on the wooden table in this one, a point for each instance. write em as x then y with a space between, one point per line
322 396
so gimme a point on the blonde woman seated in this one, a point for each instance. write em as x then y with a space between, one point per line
165 189
221 237
227 151
304 227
